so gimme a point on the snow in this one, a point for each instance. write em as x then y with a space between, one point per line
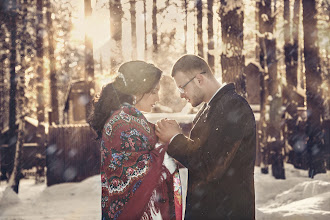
297 197
69 201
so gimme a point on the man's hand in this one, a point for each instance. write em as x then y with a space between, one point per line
166 129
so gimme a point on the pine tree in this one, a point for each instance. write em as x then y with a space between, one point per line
40 62
21 31
13 83
260 11
200 44
145 30
89 61
232 59
315 144
116 14
17 163
133 27
52 65
185 8
210 44
3 57
154 26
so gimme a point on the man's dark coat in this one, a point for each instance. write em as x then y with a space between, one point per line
220 156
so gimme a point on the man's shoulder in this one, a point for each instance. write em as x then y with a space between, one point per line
231 102
226 99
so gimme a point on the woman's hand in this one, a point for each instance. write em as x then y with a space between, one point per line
166 129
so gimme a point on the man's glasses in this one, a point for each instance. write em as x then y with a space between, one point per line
181 88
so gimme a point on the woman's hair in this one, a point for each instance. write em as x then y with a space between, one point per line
134 78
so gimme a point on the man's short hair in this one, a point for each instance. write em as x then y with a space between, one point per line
189 63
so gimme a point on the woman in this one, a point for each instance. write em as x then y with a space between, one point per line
136 184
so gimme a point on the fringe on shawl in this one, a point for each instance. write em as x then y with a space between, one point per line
157 204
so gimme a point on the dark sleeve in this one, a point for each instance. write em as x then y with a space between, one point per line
182 148
214 154
226 136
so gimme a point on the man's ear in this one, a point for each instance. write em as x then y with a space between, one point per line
200 80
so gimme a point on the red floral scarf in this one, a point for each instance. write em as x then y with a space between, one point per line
132 173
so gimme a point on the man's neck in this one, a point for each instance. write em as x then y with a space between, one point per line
211 90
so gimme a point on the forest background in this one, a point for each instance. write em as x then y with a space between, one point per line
275 51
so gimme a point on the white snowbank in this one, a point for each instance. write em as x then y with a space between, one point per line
63 201
297 197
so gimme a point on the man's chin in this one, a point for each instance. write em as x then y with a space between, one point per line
193 104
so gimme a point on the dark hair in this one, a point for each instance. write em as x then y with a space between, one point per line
189 63
134 78
137 77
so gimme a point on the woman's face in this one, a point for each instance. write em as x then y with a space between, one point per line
147 101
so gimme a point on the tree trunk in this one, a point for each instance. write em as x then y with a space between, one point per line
40 69
275 104
89 61
16 174
13 85
270 42
263 103
116 15
232 59
2 86
133 27
13 63
52 66
291 50
3 58
295 36
291 62
291 76
261 10
145 31
200 45
210 44
315 145
15 147
267 29
154 26
185 8
269 63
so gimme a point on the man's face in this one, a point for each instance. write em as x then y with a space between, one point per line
191 92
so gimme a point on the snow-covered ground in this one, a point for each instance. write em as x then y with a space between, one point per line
297 197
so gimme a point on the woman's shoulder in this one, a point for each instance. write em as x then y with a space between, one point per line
126 117
126 114
127 109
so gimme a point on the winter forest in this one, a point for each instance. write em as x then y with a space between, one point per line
55 56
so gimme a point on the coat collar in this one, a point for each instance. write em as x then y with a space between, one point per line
221 92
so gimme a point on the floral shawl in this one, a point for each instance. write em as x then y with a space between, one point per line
132 174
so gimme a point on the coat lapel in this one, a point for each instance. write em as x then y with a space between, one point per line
200 121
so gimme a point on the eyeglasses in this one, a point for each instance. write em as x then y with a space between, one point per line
181 88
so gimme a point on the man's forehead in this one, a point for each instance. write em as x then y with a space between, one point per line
180 77
185 74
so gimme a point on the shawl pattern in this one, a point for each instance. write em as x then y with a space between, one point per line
131 167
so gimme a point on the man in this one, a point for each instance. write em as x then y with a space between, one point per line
220 152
